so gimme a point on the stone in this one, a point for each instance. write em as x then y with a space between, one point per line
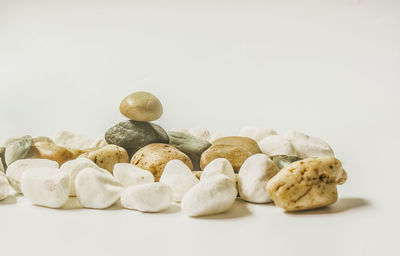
200 133
130 175
218 136
307 184
72 140
16 169
253 176
197 174
180 130
276 145
4 186
73 167
245 142
17 149
97 190
192 146
307 146
141 106
283 161
218 166
46 186
106 157
256 133
51 151
154 158
211 196
235 149
134 135
179 178
3 165
42 139
152 197
99 143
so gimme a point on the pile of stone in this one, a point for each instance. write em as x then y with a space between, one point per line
148 169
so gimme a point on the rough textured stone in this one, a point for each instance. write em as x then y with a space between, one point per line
141 106
73 140
307 184
133 135
192 146
201 133
155 156
276 145
106 157
4 186
18 149
130 175
256 133
283 161
308 146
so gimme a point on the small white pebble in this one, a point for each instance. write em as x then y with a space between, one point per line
201 133
276 145
73 140
4 186
214 195
16 169
179 178
256 133
131 175
218 166
96 189
152 197
46 186
253 176
307 146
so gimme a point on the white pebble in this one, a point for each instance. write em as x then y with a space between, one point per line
253 176
131 175
4 186
46 186
307 146
179 130
256 133
211 196
151 197
201 133
276 145
16 169
179 178
73 167
218 166
96 189
73 140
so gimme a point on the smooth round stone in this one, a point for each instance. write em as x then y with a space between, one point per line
106 157
245 142
18 149
192 146
141 106
154 158
133 135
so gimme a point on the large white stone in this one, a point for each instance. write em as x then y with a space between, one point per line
276 145
307 146
131 175
96 189
218 166
16 169
179 178
4 186
73 167
151 197
214 195
256 133
201 133
46 186
73 140
253 177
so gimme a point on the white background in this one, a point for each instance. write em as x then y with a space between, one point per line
327 68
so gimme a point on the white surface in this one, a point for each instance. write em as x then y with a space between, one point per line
327 68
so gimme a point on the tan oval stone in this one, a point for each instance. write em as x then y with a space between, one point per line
141 106
154 157
307 184
51 151
106 157
248 143
236 155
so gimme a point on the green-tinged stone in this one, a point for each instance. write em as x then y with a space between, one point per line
18 149
283 161
192 146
